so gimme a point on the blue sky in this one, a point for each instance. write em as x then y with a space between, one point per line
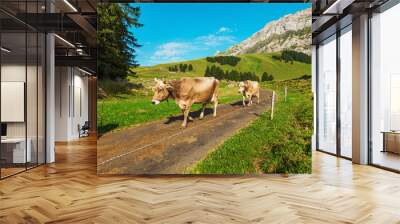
184 31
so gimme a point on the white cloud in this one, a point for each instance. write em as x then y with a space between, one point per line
224 29
175 51
214 40
170 52
171 49
156 61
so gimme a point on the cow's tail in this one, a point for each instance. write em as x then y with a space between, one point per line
215 92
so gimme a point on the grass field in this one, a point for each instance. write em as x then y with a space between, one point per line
281 145
124 110
257 63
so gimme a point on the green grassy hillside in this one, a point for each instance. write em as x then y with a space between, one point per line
257 63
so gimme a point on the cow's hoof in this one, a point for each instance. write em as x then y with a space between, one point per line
183 125
190 118
201 118
214 115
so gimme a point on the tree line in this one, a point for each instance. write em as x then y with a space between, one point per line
224 60
181 68
290 56
219 73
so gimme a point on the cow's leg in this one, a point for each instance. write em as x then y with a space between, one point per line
185 116
215 107
251 100
202 111
190 117
244 101
258 97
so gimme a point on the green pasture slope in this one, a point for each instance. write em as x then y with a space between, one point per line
258 63
281 145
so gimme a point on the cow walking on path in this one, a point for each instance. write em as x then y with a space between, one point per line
249 89
186 92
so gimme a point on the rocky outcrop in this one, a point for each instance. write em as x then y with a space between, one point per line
292 31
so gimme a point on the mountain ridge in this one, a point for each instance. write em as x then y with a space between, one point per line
292 32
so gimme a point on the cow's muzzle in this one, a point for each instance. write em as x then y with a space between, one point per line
155 102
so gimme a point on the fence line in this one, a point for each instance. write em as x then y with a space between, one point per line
272 105
285 92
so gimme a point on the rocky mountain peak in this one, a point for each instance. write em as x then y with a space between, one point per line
292 32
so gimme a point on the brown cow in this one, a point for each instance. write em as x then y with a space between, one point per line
249 89
186 92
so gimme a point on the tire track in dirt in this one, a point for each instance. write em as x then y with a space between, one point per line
163 147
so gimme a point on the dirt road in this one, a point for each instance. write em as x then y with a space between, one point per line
163 147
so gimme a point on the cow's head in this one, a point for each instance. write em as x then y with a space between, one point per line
161 91
243 89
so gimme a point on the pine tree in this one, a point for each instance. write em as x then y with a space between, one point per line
116 43
207 72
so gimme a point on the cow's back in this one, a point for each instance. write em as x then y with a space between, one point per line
198 90
252 87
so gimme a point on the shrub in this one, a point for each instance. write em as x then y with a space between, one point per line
290 56
113 87
266 77
224 60
181 68
219 73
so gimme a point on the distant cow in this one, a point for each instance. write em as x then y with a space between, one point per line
249 89
186 92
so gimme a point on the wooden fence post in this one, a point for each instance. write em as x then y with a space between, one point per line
285 92
272 105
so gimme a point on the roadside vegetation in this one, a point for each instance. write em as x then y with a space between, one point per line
281 145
